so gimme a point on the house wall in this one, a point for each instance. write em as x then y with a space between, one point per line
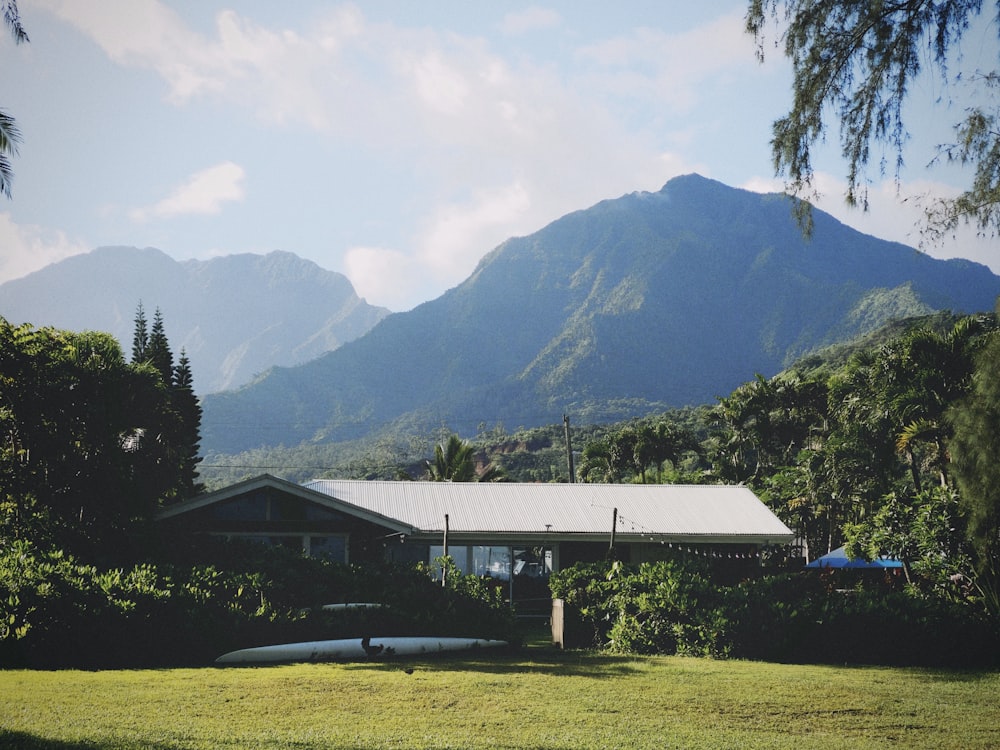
276 518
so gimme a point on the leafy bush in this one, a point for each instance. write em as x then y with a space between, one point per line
586 588
674 608
56 612
667 608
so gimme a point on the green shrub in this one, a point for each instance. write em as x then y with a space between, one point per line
667 608
674 608
55 612
586 589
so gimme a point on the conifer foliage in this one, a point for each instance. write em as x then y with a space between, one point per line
179 442
90 444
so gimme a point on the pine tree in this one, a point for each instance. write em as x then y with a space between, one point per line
140 339
188 438
158 349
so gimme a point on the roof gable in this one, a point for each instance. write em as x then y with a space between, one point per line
249 487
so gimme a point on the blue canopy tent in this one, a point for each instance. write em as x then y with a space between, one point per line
839 559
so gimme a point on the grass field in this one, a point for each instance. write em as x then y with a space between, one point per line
533 698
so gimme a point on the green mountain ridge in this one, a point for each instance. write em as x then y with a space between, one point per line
635 305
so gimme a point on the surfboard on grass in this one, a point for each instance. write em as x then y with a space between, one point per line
348 649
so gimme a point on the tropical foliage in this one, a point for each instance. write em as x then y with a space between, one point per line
886 449
455 461
91 445
10 135
675 607
650 450
196 602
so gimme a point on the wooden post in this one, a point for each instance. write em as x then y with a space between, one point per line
569 450
614 528
444 569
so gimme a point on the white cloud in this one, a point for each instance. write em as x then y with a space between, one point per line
451 244
460 233
530 19
203 193
282 74
385 277
27 248
498 145
146 33
895 214
442 87
671 68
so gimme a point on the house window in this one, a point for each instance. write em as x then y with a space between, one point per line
491 561
496 561
458 553
533 562
332 548
289 542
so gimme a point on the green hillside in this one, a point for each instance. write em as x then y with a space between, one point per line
636 305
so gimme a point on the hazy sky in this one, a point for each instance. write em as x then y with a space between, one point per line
395 141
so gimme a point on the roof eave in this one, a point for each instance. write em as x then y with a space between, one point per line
536 537
267 480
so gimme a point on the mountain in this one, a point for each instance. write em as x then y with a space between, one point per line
235 316
647 301
636 304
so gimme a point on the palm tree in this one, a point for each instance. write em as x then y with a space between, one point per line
975 444
455 461
935 371
10 136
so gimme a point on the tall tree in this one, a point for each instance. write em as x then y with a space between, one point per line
140 336
10 136
858 59
975 448
455 461
188 438
158 349
72 466
173 449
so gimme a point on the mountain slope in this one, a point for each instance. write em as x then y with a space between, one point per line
235 316
647 301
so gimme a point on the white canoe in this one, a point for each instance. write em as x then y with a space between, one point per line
347 649
353 605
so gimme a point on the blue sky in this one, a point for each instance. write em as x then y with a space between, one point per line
399 142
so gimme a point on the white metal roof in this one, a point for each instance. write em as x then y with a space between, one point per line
681 512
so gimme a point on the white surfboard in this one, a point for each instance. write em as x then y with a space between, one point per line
347 649
353 605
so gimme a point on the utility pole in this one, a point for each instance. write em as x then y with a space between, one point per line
569 450
444 567
614 528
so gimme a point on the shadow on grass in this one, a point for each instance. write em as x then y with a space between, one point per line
23 741
547 660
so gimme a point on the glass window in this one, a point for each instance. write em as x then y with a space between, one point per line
491 561
289 542
333 548
458 553
533 562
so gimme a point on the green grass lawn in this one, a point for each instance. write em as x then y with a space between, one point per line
533 698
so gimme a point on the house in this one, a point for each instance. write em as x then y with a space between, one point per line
504 530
